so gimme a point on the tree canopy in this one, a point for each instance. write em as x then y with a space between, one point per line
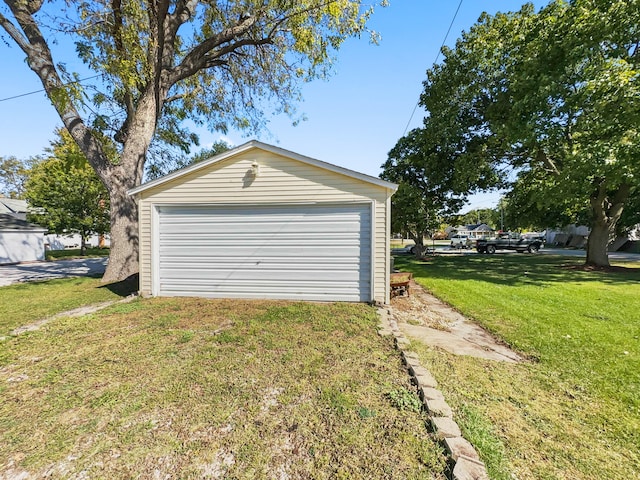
164 164
222 64
13 175
554 98
65 194
422 200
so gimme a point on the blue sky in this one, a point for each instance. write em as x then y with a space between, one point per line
353 119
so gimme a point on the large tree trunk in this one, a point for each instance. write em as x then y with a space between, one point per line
597 244
123 259
418 239
606 212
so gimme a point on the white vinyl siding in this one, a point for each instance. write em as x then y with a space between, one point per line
282 181
21 246
286 252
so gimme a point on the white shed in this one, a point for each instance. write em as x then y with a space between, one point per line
20 241
259 221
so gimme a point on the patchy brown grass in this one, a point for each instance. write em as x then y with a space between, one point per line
195 388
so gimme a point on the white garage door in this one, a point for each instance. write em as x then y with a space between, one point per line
308 252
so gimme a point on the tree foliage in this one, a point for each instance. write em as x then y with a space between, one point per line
13 175
554 97
65 194
437 166
165 164
222 64
433 181
488 216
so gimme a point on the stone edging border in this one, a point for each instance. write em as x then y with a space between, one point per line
462 455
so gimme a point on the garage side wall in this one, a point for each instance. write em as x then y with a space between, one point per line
280 181
21 246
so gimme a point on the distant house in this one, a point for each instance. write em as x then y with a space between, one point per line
18 209
54 241
15 208
20 241
473 231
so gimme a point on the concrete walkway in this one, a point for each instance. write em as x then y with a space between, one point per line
424 317
462 338
37 271
76 312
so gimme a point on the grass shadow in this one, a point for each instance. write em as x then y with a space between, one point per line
126 287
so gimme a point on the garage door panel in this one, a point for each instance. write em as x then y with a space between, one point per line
265 275
264 254
335 264
301 252
286 290
222 232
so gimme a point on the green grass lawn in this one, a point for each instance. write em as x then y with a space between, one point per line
573 410
24 303
195 388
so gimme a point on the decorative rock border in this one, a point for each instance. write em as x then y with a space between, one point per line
462 455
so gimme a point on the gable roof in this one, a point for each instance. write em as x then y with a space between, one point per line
9 222
269 148
12 205
475 227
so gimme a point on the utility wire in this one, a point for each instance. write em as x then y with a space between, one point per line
434 62
42 89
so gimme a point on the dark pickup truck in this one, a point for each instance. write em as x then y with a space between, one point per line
509 241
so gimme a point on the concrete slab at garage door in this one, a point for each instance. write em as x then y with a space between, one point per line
305 252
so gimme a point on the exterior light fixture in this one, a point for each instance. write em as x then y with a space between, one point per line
255 169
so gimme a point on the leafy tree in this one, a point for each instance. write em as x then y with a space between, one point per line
206 153
66 195
167 164
410 214
526 205
13 175
555 96
488 216
218 63
430 184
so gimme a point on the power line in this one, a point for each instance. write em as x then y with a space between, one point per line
434 62
42 89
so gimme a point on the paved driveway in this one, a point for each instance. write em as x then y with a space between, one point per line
30 272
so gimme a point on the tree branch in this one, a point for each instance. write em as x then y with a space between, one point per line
15 34
116 5
193 60
213 59
543 158
183 11
619 199
39 58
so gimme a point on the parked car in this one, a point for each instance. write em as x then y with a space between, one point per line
509 241
402 250
460 241
411 249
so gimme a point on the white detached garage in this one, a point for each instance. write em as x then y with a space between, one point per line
20 241
259 221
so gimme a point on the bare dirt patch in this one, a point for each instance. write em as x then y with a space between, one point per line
426 318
